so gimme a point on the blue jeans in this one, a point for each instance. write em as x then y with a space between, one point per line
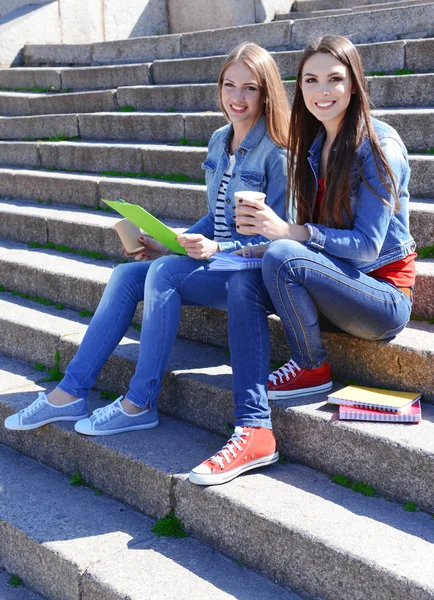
298 283
163 285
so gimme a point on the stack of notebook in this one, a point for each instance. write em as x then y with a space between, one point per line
373 404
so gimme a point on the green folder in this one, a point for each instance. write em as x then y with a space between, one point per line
143 219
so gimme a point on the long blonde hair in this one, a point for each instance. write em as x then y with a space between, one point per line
264 68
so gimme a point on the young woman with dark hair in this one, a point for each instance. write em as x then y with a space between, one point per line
248 153
349 254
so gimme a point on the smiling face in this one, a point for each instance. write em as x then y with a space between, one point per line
327 87
241 96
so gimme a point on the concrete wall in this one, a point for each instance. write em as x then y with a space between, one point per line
38 24
87 21
75 22
199 15
134 18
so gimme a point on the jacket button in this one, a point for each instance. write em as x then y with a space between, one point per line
232 224
242 151
228 200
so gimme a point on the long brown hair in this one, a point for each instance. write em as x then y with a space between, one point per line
356 123
264 68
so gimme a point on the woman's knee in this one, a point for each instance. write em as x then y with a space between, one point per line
245 286
288 257
128 278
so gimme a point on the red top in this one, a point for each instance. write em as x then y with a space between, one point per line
400 273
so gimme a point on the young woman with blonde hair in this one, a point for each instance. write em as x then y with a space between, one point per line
247 154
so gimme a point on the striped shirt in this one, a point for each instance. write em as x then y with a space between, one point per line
221 229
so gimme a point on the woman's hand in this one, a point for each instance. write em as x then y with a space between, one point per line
151 249
254 217
197 245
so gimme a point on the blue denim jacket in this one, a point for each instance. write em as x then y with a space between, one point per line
379 235
260 165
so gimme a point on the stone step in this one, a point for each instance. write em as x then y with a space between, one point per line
72 228
70 78
381 25
106 549
331 12
288 512
415 125
150 160
415 55
78 282
309 5
18 592
303 430
163 199
18 103
384 92
143 127
368 362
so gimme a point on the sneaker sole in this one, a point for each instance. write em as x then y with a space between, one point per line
41 423
276 395
115 431
216 479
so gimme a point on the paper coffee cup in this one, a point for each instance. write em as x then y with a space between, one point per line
248 195
129 234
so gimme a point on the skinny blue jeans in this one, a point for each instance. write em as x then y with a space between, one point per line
299 283
164 285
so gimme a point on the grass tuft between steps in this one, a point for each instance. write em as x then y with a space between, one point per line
356 486
38 89
106 395
169 526
68 249
426 252
38 299
367 490
15 581
78 480
54 372
186 142
127 108
429 320
176 177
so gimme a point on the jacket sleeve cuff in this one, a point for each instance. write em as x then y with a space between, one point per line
317 236
227 246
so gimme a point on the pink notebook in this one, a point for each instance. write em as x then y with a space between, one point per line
411 414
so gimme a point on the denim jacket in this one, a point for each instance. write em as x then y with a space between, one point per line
379 235
260 165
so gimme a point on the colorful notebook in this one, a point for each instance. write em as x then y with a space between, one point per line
374 398
232 262
143 219
410 414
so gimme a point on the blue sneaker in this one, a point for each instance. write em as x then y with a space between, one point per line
41 412
113 419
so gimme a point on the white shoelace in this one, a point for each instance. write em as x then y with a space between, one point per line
229 449
103 414
35 405
287 371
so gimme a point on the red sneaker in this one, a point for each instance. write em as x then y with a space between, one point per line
291 381
248 448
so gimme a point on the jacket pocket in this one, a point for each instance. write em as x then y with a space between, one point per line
253 179
209 165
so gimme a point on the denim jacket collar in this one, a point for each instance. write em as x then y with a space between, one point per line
252 139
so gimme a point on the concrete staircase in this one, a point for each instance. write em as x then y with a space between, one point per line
95 128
